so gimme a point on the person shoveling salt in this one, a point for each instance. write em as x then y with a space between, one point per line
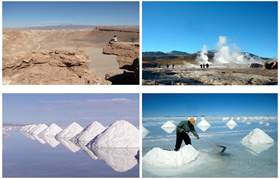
182 130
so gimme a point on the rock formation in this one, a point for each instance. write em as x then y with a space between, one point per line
49 67
128 59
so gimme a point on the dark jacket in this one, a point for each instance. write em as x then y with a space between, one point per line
186 127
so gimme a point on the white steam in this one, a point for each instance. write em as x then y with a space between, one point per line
225 54
203 58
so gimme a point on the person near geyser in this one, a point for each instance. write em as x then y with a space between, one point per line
182 130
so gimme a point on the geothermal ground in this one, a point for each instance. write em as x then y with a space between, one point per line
211 76
70 56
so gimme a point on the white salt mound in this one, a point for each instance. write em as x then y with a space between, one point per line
39 129
90 132
145 132
203 125
231 124
168 124
52 130
159 158
257 136
71 131
121 134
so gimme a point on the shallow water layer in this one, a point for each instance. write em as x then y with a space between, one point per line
27 157
237 161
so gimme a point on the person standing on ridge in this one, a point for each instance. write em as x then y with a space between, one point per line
182 130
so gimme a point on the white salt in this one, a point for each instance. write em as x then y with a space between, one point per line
71 131
159 158
121 134
203 125
52 130
257 136
90 132
231 124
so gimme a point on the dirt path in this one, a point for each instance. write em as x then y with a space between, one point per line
100 63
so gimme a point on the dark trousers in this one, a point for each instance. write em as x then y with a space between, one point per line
180 136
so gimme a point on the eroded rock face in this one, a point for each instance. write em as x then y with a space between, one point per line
128 59
126 52
49 67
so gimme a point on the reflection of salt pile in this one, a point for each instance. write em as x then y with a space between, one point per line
52 130
231 124
39 139
159 158
120 134
69 145
90 132
51 140
120 159
69 132
203 125
145 132
39 129
257 141
168 127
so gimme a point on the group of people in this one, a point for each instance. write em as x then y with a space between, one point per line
203 66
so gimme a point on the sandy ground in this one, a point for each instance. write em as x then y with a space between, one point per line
20 42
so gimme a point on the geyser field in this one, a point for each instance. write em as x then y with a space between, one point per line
226 65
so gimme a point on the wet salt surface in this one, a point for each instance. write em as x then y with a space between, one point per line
237 161
24 157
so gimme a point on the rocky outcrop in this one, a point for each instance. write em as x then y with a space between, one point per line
270 65
126 52
49 67
256 65
128 59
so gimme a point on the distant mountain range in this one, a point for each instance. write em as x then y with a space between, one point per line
175 54
73 26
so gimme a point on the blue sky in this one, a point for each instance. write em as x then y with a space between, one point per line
66 108
155 105
186 26
25 14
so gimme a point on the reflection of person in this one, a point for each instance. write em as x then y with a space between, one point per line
114 39
182 130
207 65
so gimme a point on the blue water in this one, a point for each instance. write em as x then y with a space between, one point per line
237 161
23 157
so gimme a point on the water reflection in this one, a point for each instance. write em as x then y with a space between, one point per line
51 140
257 148
119 159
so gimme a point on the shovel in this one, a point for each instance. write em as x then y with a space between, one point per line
222 147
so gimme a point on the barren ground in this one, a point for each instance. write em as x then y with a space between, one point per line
20 43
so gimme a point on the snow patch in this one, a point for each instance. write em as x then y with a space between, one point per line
159 158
